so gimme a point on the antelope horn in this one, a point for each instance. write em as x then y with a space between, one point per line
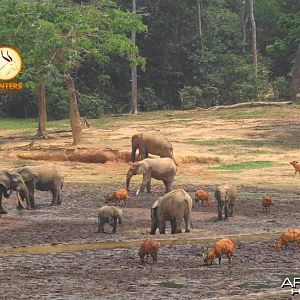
9 57
4 57
21 202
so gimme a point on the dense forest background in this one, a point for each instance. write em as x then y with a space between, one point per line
183 67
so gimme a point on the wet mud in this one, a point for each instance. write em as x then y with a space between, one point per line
257 270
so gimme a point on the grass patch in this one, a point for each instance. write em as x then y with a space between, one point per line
243 114
255 143
245 165
171 285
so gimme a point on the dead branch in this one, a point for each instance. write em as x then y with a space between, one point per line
247 104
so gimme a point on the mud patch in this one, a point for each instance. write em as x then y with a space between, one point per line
76 155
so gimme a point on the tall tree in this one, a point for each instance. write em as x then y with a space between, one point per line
253 29
134 87
42 111
100 30
200 24
295 83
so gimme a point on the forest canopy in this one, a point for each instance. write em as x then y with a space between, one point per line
189 53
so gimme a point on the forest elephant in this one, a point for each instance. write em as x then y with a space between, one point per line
12 181
158 168
42 178
111 215
226 195
174 207
152 144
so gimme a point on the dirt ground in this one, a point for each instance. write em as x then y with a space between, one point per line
257 270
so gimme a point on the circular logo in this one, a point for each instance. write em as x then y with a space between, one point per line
10 63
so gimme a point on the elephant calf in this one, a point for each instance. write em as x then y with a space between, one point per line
110 215
159 168
42 178
174 207
226 195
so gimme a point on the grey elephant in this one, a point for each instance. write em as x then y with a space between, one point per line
158 168
42 178
12 181
174 207
111 215
226 195
152 144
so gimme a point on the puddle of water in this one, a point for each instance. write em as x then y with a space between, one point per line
171 285
71 247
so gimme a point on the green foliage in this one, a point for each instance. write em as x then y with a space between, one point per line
280 87
191 96
148 101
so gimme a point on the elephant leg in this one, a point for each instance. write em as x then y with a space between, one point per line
168 185
178 225
2 211
173 226
153 228
231 210
58 197
101 226
54 197
162 227
220 209
149 186
146 181
114 225
226 210
188 222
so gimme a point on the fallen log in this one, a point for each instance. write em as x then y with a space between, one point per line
247 104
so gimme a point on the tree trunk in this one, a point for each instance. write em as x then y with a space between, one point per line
74 112
295 83
42 130
134 93
253 27
200 24
244 22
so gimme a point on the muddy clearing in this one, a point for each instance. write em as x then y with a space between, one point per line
250 148
256 273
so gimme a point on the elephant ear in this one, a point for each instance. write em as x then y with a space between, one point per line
142 167
155 204
26 174
5 180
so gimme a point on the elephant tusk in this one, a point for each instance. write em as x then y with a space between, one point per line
21 202
137 192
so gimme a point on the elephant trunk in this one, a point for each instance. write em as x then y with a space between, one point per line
154 221
128 177
133 154
120 220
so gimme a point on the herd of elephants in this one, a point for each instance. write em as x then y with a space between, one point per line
175 206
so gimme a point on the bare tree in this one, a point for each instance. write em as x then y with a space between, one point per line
42 131
295 83
253 27
244 22
134 93
74 112
200 24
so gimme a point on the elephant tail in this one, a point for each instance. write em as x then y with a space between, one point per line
172 156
